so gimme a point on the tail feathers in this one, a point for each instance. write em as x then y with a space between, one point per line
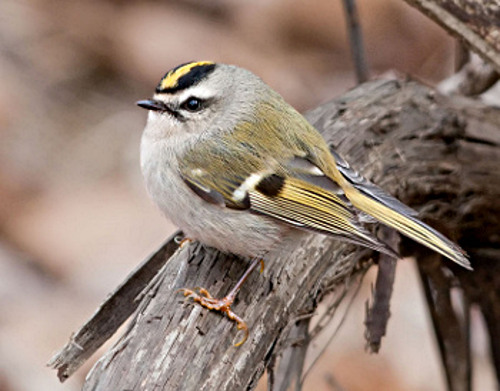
410 227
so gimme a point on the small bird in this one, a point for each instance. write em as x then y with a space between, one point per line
237 168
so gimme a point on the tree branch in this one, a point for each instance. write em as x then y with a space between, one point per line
475 22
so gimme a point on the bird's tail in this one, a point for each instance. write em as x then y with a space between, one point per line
408 226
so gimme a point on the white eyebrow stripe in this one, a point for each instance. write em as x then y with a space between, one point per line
241 191
198 91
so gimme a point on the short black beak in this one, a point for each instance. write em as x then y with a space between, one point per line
151 104
158 105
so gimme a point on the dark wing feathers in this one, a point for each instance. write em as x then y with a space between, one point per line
369 189
212 196
209 195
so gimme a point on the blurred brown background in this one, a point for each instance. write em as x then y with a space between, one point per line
74 217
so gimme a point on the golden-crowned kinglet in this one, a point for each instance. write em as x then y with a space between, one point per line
237 168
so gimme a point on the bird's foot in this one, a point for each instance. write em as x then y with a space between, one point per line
223 305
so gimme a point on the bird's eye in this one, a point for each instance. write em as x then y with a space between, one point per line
192 104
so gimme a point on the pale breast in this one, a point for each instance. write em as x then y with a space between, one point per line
229 230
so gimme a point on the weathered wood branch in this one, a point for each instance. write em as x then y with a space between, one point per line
475 22
115 310
189 348
438 154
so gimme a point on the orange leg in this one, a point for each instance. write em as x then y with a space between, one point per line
224 305
184 242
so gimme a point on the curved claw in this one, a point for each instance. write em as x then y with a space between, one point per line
242 326
191 294
186 292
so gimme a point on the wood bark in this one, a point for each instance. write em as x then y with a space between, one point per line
474 78
475 22
440 155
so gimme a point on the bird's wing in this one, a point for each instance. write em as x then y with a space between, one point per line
264 185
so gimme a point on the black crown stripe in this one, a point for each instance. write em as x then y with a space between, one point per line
171 83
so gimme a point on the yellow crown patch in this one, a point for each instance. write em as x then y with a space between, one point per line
171 80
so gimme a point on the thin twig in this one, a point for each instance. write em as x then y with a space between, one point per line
451 331
356 41
341 322
378 315
462 55
289 373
